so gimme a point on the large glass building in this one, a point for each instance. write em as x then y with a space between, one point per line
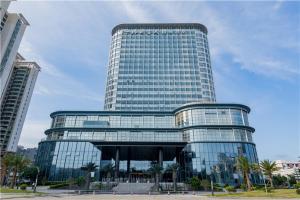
159 107
158 67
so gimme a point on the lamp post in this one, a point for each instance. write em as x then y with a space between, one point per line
212 185
265 184
36 179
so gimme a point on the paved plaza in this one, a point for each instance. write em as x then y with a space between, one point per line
121 197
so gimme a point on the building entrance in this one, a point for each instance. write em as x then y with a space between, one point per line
133 163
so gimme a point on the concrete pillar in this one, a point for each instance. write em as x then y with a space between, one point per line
160 157
128 163
178 155
117 160
178 151
160 160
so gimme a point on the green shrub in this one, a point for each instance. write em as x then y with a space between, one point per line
195 183
292 180
230 189
243 187
60 185
205 184
218 187
298 191
270 189
258 187
99 186
297 185
80 181
23 186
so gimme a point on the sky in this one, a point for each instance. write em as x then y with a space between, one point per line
254 49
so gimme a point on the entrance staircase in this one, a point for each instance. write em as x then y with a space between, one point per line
133 188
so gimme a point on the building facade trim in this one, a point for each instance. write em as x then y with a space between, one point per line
199 26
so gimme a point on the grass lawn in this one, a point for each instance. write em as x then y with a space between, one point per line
279 193
9 190
14 191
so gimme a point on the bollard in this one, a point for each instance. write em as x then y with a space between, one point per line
79 192
94 192
194 193
149 193
168 192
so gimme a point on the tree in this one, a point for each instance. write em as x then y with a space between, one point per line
205 184
280 181
268 168
174 168
6 162
156 169
108 170
18 164
30 173
88 168
244 166
292 179
195 183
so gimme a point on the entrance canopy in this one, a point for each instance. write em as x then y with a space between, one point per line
142 151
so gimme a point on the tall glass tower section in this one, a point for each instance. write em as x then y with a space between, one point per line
158 67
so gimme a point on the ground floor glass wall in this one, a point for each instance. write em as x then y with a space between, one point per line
218 160
60 161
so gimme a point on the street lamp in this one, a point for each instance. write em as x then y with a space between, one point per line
36 179
211 184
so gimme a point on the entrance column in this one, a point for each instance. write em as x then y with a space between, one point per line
128 163
178 151
160 157
160 160
117 162
178 155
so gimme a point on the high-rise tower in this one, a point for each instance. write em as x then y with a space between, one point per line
17 79
12 28
158 67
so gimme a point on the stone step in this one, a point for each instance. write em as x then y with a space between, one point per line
135 188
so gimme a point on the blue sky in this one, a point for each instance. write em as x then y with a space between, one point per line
254 47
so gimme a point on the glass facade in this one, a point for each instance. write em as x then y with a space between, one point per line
196 133
158 68
125 120
211 116
159 107
61 160
218 161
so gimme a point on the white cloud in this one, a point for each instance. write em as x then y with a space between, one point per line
32 132
250 47
51 79
136 12
277 5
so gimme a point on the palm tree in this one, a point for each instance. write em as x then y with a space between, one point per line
268 168
244 166
18 163
108 170
5 165
156 170
174 168
89 167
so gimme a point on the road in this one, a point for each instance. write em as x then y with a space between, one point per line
121 197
